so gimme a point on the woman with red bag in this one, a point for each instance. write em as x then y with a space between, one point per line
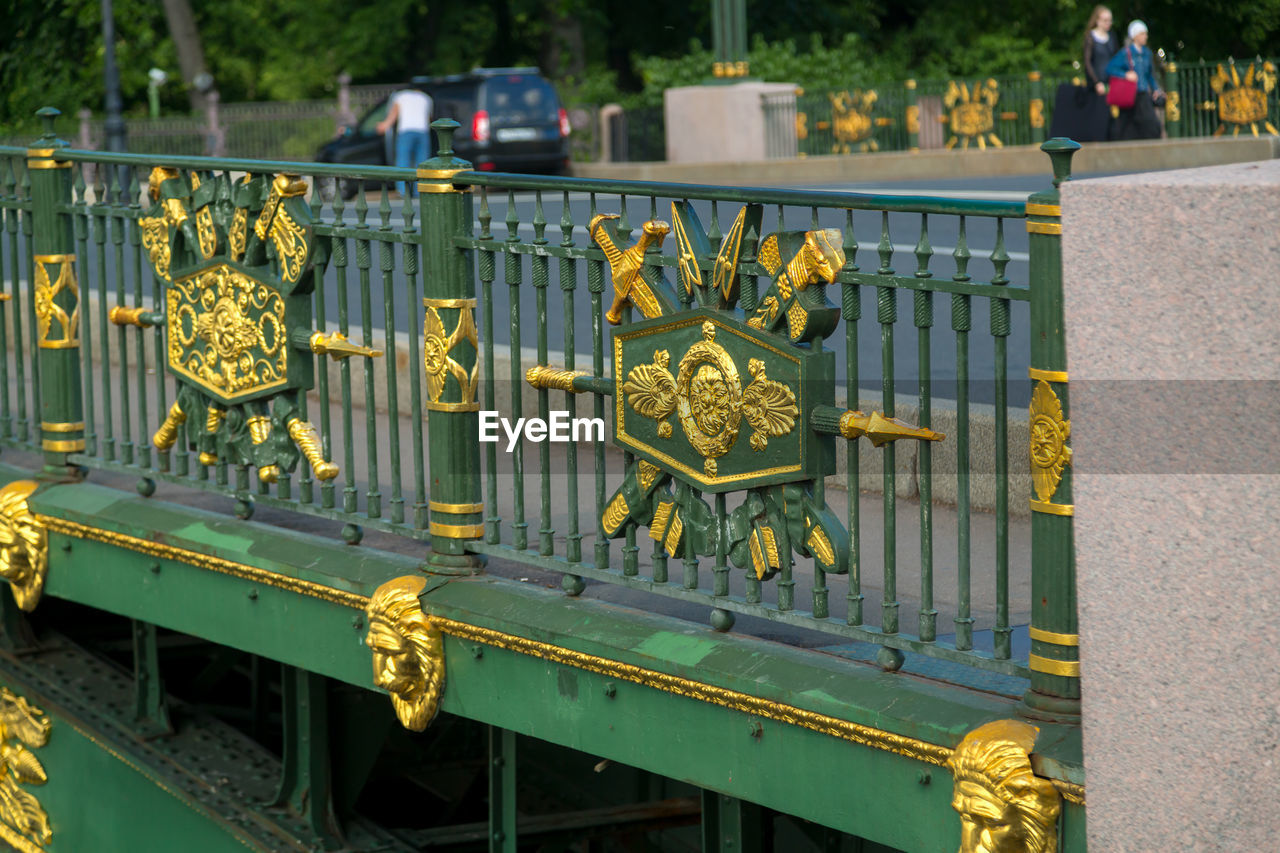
1135 64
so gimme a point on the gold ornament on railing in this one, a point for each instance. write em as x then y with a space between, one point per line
337 347
167 435
541 376
851 121
971 113
881 429
1243 103
304 435
626 266
1050 432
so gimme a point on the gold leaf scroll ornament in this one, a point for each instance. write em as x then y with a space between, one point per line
408 651
1049 434
24 545
769 406
24 824
651 391
1004 807
46 304
276 223
437 360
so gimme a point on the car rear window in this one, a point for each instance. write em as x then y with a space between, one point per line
520 99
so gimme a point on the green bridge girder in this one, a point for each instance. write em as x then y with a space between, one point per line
757 721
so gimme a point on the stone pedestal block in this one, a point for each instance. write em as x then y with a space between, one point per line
1172 292
708 124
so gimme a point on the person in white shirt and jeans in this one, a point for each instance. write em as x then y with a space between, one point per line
410 113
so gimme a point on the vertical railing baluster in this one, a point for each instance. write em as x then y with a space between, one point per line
721 568
101 208
1000 329
928 627
387 263
851 312
139 334
961 323
511 271
568 283
86 335
341 259
33 333
887 315
540 264
690 579
630 551
159 362
595 285
410 258
9 223
328 488
15 303
820 594
119 225
493 518
364 261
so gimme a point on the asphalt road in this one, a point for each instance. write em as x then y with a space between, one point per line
517 211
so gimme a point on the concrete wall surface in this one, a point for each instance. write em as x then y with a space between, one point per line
718 124
1172 293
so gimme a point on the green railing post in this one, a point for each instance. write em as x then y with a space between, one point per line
1054 661
1035 107
450 347
56 300
1173 101
912 117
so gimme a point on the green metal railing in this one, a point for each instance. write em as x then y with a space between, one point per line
960 113
424 481
1205 99
1234 97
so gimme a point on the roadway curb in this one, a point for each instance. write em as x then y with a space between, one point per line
1138 156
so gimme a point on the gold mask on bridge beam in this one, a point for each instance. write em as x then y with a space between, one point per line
1004 807
408 651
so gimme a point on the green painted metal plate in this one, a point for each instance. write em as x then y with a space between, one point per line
719 404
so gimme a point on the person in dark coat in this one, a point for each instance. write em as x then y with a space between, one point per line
1100 44
1081 112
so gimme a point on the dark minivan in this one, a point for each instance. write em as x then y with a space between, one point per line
511 118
